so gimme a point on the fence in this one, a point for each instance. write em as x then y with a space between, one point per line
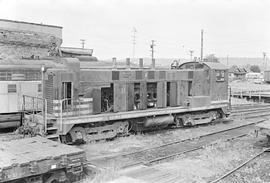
257 92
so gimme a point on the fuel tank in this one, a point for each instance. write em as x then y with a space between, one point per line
159 121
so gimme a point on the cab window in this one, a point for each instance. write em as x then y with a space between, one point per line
220 75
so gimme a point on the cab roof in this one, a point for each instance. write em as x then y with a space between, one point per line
211 65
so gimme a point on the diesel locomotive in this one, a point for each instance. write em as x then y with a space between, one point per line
93 100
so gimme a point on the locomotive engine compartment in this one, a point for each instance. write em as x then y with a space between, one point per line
88 101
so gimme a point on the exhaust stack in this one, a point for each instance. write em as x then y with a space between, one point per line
153 65
141 63
128 63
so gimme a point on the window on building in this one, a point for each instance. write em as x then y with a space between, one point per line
220 75
12 88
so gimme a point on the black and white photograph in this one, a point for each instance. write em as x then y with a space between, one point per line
134 91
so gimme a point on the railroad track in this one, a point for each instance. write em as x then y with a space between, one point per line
240 166
250 111
248 106
170 150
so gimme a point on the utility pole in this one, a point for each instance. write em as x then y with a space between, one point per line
191 54
264 60
202 45
82 42
227 60
152 45
134 41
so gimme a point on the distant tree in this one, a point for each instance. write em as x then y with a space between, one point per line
255 68
247 67
211 58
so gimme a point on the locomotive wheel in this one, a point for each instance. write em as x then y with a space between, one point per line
77 134
179 122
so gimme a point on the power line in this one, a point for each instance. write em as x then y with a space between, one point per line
152 45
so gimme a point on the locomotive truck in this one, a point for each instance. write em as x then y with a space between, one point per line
93 100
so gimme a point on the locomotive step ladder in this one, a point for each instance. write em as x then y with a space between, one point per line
52 128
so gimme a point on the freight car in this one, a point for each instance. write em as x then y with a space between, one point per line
38 160
96 100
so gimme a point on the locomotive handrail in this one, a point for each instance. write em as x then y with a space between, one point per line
35 110
70 107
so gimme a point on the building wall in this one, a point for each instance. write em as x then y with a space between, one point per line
23 39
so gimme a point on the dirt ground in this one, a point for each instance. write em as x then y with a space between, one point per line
256 171
210 163
213 161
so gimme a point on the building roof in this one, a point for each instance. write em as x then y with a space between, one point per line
77 51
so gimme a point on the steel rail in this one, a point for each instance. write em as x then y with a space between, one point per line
191 150
240 166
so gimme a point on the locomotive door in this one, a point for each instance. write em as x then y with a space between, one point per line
184 90
67 93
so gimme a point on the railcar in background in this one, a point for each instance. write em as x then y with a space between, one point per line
88 101
266 76
15 81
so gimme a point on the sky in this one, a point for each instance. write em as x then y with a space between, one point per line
237 28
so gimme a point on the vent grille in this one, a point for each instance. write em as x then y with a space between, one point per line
49 93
